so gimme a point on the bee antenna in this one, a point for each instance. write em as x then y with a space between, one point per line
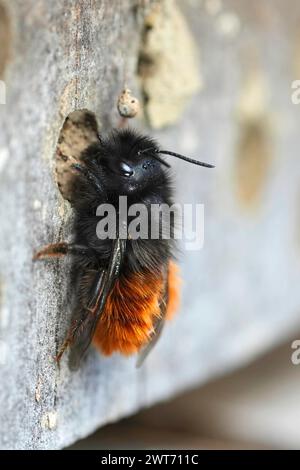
186 159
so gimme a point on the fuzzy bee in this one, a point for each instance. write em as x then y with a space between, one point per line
124 288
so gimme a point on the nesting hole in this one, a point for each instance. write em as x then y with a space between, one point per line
252 161
254 149
5 39
78 132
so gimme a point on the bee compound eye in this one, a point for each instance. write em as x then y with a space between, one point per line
148 164
126 170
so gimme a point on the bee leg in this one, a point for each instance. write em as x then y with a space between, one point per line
58 250
88 315
88 175
87 318
62 349
76 325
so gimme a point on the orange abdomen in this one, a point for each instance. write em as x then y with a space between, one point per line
131 309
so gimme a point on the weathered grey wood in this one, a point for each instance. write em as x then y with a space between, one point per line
241 291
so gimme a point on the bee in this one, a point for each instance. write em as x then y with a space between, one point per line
124 289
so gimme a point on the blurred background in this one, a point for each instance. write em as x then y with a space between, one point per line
256 407
217 80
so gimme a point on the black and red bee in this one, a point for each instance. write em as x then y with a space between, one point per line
124 289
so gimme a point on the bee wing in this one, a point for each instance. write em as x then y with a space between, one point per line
158 327
82 332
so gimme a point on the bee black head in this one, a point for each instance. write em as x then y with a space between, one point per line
131 162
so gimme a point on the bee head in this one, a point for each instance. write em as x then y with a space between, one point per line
131 162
